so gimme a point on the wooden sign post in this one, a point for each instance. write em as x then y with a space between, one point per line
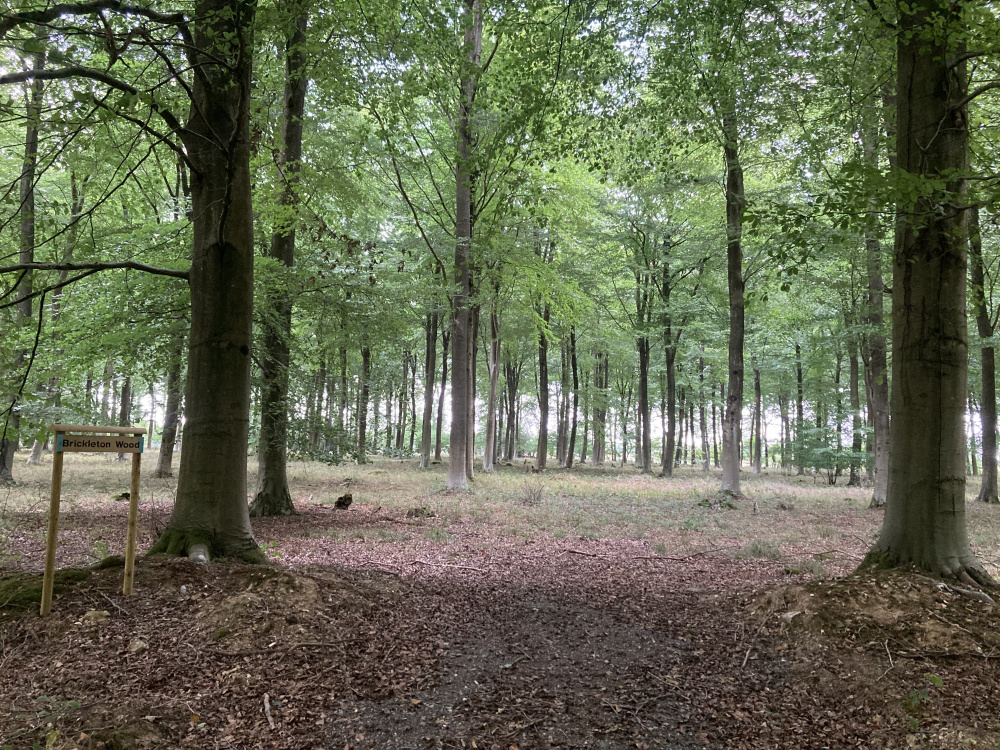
79 439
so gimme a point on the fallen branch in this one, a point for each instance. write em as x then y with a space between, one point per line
446 565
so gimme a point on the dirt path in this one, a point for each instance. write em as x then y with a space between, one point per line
498 644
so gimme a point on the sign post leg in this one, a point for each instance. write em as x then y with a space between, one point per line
133 518
51 537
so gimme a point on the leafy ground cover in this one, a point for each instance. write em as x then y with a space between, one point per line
593 608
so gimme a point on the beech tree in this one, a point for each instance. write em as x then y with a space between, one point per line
924 521
210 513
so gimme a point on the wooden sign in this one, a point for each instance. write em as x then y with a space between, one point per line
99 443
71 438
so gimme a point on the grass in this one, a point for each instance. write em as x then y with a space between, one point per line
796 517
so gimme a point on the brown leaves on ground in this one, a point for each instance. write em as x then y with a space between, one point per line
374 630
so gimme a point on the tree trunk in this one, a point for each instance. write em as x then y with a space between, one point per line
973 449
493 367
10 435
800 419
470 455
600 408
576 399
702 415
715 441
735 202
644 452
854 480
430 370
171 415
541 456
458 450
211 506
366 373
988 490
445 339
272 497
757 416
125 409
924 522
874 347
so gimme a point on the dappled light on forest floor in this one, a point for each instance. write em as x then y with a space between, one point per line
595 609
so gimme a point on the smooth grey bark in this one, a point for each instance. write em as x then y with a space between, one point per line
272 497
924 523
461 387
430 370
985 328
211 501
735 204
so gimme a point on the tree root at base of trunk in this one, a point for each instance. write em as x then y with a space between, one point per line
969 574
177 542
272 503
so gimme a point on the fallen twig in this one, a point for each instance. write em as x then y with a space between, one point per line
267 710
113 603
446 565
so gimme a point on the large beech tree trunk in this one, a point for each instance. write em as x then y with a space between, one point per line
988 490
924 522
272 497
461 386
211 505
735 203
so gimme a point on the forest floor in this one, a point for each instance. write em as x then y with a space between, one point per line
592 608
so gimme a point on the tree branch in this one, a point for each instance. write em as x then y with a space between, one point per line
977 92
129 264
81 71
13 20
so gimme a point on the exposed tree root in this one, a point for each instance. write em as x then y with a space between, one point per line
969 573
177 542
272 501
